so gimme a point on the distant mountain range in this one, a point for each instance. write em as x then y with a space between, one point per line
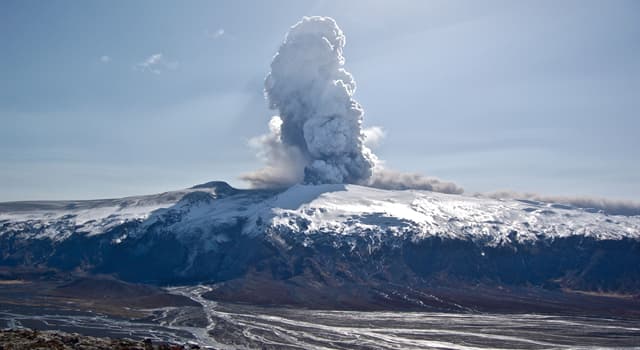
342 246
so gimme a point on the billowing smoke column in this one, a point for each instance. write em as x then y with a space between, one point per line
314 96
318 137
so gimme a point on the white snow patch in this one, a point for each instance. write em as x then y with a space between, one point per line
344 210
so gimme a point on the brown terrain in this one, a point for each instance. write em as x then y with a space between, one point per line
101 294
24 339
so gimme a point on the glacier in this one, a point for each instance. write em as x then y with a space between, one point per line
332 245
331 209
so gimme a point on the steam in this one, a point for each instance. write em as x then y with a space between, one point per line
283 162
608 206
319 126
317 136
373 136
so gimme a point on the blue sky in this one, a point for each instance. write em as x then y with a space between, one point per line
106 99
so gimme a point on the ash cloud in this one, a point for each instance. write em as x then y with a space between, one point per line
314 96
283 163
373 136
395 180
607 206
317 136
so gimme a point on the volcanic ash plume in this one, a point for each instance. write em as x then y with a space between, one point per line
319 122
317 137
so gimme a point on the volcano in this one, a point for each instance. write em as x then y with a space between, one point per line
337 246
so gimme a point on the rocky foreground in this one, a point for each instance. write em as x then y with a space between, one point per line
25 339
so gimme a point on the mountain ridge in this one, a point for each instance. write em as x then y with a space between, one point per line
316 243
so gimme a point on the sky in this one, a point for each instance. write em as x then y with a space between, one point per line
107 99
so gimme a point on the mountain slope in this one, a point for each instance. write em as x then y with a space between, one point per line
327 244
323 209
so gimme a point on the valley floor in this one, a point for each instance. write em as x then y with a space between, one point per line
191 318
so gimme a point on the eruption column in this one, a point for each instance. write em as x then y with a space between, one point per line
314 96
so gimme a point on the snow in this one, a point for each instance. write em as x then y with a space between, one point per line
354 210
340 210
58 220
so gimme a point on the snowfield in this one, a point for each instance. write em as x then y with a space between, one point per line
320 209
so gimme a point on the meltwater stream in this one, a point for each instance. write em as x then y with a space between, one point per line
233 326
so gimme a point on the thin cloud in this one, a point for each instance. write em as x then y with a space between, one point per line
216 34
607 206
156 63
105 59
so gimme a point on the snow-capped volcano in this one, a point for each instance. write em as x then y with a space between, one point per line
358 210
328 234
342 210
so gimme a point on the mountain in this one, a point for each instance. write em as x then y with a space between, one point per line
343 246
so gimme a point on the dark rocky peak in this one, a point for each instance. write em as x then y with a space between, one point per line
221 188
